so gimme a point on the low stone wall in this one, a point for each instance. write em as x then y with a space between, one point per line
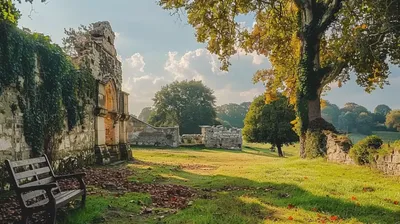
337 149
220 137
390 163
339 146
142 134
191 139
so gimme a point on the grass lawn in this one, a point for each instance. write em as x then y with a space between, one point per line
252 186
387 136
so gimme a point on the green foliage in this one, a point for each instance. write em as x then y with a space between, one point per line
8 11
270 123
232 115
57 86
363 151
145 114
355 118
315 145
393 119
331 113
382 109
187 104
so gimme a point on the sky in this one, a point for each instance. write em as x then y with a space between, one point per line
156 48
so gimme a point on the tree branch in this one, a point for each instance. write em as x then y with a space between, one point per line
334 71
329 15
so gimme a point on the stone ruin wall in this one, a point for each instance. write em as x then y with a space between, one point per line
75 146
142 134
389 164
220 137
12 140
191 139
338 152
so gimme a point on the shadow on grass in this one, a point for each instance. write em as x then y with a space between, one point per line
245 150
266 194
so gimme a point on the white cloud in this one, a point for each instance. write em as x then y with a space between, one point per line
257 59
229 95
233 87
117 35
181 67
137 61
140 84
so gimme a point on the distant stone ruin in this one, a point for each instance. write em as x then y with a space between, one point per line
221 137
215 137
141 133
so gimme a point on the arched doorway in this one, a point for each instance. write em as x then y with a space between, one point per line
111 106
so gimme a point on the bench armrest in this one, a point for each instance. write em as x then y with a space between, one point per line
45 187
78 176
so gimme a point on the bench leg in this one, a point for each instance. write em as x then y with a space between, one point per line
83 202
52 217
25 219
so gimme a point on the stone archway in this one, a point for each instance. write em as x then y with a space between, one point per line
111 106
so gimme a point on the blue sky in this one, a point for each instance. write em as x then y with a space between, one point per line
156 48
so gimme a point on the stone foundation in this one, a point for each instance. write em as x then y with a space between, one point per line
103 157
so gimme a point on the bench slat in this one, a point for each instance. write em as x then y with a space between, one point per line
39 182
27 162
61 198
31 173
31 195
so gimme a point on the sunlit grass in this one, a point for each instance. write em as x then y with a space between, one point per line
256 186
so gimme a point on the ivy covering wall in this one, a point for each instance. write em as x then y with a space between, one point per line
51 89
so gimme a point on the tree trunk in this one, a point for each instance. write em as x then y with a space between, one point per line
280 153
308 99
314 109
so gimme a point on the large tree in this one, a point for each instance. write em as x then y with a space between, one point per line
310 43
270 123
186 104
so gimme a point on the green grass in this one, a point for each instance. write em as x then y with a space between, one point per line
108 208
386 136
256 186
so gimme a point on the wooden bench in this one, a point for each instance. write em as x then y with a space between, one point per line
37 189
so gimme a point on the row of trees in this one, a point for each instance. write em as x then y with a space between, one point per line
229 115
356 118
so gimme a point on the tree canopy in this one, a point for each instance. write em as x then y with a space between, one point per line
232 115
393 119
270 123
186 104
310 43
382 109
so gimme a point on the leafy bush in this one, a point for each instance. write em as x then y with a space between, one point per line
362 152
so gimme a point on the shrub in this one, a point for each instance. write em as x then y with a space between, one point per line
362 152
